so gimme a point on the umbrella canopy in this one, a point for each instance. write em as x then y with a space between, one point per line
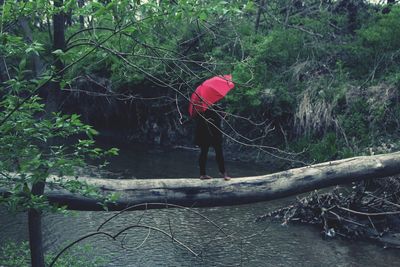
210 92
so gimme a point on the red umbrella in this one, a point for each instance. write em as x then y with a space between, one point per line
209 92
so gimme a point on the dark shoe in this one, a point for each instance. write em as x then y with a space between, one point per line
226 176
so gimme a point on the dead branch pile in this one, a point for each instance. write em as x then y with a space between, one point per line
368 210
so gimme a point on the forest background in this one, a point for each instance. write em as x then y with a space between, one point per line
315 76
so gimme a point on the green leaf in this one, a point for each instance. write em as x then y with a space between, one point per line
58 52
22 64
203 16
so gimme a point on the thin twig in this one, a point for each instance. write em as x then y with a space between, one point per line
370 214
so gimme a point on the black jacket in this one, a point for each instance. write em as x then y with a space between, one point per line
208 129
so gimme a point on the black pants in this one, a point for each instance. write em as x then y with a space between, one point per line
218 156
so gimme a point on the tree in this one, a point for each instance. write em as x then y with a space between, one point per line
33 130
51 107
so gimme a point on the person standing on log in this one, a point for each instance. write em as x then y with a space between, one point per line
208 122
208 134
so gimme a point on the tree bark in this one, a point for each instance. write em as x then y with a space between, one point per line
52 104
35 230
53 96
258 16
81 18
217 192
352 11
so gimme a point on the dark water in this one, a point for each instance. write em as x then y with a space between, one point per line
225 236
143 162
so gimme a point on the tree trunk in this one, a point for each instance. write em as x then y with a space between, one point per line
217 192
35 230
352 11
259 13
4 76
52 102
81 18
53 96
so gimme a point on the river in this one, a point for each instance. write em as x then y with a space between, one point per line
224 236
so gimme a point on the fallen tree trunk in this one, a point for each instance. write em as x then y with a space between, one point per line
217 192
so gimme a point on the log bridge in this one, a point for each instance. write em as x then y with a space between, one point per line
190 192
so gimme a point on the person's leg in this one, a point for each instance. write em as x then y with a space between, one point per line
219 156
203 161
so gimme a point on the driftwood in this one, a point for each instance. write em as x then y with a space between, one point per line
191 192
367 210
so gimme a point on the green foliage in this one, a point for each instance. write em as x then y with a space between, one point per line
319 55
383 34
374 50
317 150
14 255
17 255
27 159
328 147
324 150
267 56
355 122
35 144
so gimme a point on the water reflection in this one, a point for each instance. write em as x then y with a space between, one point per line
238 242
143 162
